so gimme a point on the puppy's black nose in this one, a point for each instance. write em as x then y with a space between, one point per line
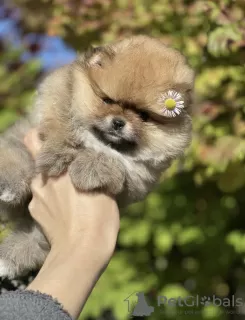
118 124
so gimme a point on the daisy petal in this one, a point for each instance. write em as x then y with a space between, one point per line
179 105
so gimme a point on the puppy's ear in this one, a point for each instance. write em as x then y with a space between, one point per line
99 56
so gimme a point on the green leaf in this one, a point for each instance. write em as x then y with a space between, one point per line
190 235
137 234
219 39
7 117
163 239
174 291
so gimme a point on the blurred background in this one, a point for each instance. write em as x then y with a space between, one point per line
188 236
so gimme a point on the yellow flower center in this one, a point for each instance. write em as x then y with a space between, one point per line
170 103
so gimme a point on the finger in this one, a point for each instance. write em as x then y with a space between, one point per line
37 183
32 142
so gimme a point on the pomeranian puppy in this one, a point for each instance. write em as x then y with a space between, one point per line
104 119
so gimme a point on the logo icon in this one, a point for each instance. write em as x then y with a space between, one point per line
205 301
140 308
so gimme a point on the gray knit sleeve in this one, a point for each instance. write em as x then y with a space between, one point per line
30 305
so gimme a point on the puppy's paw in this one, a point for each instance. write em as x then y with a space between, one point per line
14 186
7 269
25 248
52 161
92 171
7 195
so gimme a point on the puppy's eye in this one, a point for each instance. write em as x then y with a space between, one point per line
144 115
108 100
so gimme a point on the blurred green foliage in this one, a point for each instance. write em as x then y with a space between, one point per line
188 236
17 80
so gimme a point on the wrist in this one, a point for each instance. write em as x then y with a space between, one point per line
98 249
99 239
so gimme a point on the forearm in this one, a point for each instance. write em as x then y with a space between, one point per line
69 274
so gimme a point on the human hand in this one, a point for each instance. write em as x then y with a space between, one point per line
82 230
69 217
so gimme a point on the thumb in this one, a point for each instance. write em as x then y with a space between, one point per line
32 142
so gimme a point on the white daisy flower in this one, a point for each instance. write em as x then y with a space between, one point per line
172 102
